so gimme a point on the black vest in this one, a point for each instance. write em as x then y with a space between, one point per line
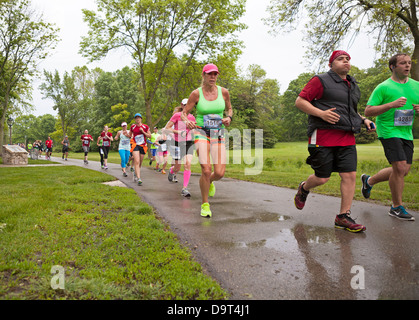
337 94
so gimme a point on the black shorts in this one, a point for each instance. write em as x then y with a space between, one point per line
325 160
181 149
139 148
397 149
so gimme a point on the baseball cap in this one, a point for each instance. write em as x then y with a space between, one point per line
138 115
338 53
210 68
184 101
123 124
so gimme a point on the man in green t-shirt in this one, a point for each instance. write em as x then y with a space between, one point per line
394 102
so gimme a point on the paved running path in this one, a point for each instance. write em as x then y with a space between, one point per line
259 246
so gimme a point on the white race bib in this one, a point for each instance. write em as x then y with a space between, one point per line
139 140
403 118
212 121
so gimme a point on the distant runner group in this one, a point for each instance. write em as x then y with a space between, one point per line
330 100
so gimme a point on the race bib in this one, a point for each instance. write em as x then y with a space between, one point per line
212 121
139 140
86 142
403 118
176 153
163 147
106 143
125 142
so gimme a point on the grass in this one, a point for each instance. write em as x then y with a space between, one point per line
285 166
109 243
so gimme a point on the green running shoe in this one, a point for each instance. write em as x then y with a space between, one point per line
211 192
205 210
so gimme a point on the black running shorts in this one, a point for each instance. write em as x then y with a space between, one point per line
325 160
397 149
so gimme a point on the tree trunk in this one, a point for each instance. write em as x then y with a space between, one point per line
414 72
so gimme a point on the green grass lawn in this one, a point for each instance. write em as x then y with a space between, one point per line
109 243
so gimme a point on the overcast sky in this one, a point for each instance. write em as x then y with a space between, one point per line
281 57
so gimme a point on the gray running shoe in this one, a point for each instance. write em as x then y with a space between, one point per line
401 213
175 179
185 193
366 188
170 176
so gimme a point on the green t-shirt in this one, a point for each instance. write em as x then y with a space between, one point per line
395 123
153 139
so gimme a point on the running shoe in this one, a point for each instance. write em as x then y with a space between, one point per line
366 188
124 174
132 169
163 172
106 168
401 213
139 182
170 176
301 197
344 221
205 210
175 179
185 193
211 192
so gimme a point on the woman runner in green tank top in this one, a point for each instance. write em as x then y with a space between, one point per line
211 103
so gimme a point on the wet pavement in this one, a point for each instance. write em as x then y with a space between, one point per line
259 246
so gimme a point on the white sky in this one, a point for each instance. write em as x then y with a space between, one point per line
281 57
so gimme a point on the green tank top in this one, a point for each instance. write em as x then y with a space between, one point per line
210 110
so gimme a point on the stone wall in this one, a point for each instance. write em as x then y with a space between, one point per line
14 155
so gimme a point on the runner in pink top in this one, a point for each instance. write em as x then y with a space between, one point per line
183 148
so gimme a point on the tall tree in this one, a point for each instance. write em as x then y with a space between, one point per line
393 24
65 96
157 32
24 40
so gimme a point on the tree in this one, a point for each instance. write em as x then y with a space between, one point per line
255 100
394 24
31 128
66 98
293 122
159 35
24 41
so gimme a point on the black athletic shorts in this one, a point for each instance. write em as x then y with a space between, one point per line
325 160
139 148
181 149
397 149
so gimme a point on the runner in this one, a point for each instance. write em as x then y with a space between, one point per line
140 132
330 99
48 144
86 138
162 152
153 147
99 143
394 102
66 145
106 138
124 147
183 148
211 102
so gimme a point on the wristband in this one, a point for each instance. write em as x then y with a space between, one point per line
231 118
